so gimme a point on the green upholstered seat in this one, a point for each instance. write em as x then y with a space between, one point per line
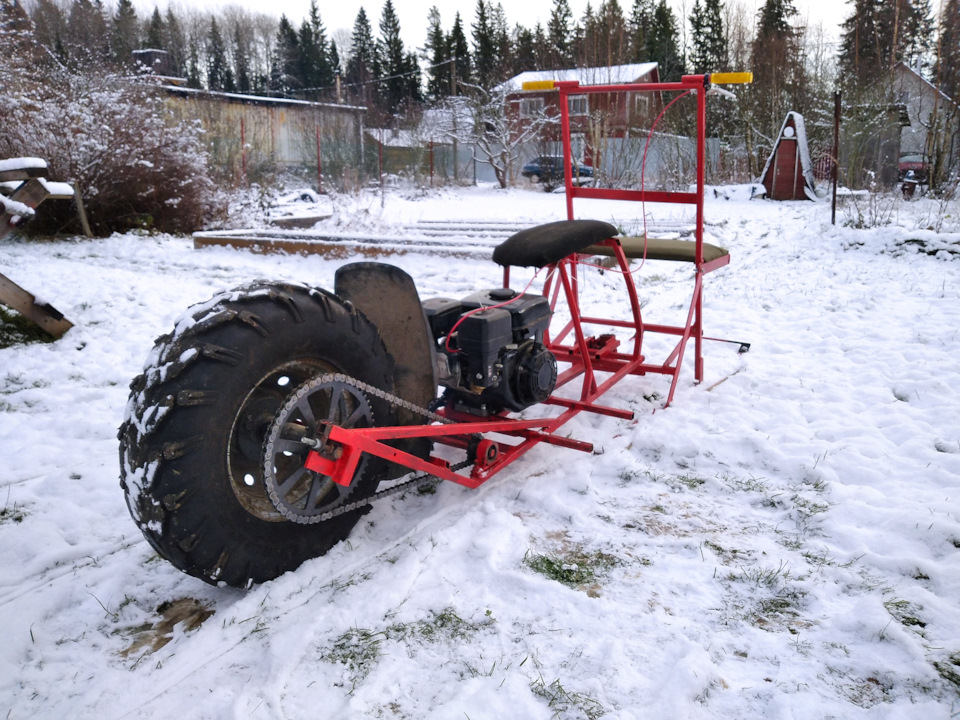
658 249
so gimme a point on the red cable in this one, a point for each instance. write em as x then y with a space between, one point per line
463 317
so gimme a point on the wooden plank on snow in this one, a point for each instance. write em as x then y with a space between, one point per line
44 315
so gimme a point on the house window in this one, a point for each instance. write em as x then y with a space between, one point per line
577 104
641 104
530 107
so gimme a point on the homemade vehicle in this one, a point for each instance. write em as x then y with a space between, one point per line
264 423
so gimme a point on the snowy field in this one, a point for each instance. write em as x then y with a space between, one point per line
782 542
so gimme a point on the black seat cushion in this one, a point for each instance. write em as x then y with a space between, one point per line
545 244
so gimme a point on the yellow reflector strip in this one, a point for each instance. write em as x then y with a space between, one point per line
731 78
539 85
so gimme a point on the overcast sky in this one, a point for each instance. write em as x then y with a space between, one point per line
413 13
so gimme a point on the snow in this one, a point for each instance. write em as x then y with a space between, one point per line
22 163
13 207
782 542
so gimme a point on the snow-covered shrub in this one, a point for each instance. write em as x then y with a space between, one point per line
111 137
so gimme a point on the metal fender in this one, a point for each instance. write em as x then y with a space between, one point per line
389 299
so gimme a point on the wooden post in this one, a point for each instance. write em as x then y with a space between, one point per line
319 164
834 171
81 211
243 149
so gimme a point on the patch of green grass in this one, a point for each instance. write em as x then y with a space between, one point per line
762 577
573 568
358 649
750 484
905 613
566 704
949 670
15 329
727 555
13 514
692 482
443 625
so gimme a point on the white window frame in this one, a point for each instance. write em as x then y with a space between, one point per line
577 105
531 106
641 104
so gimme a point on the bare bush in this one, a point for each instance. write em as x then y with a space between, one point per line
134 166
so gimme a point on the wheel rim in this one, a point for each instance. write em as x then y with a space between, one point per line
249 430
299 494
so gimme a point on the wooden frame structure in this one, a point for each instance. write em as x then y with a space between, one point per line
24 186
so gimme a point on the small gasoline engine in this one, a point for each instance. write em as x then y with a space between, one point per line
490 353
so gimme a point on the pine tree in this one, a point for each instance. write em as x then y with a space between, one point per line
193 66
607 37
334 56
284 71
155 36
86 34
778 72
525 55
460 52
241 61
395 65
663 43
559 35
708 52
502 43
175 44
363 66
948 57
216 59
919 40
48 23
639 25
313 54
484 46
438 55
880 33
124 37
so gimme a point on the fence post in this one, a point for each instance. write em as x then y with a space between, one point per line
835 170
243 150
319 166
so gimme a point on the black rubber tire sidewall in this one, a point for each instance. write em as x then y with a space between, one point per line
174 470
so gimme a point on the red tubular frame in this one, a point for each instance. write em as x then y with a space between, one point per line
584 356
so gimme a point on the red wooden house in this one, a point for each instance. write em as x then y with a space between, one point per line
618 111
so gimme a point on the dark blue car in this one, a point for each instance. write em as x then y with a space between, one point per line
548 169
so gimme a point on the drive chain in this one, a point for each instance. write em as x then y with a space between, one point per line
419 480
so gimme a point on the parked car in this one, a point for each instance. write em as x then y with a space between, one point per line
916 162
547 169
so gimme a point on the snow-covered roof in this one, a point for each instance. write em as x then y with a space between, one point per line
256 98
610 75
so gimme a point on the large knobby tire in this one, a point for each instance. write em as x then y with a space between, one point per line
192 438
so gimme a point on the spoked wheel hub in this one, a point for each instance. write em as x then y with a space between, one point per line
297 493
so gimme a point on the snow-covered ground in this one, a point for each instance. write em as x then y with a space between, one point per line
782 542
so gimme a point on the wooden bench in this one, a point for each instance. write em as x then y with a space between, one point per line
23 187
